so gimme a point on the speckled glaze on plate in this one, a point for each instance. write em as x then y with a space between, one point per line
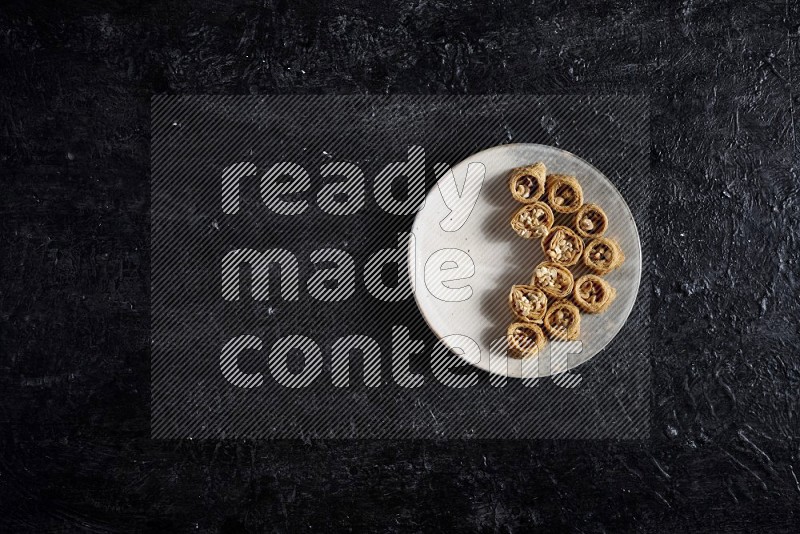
502 259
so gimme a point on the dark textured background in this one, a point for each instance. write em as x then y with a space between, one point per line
74 368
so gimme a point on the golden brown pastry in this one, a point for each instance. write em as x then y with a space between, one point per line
591 221
532 220
554 279
592 294
602 255
562 246
564 193
527 183
563 321
528 303
525 340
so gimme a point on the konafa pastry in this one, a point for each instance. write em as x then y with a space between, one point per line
527 183
525 340
564 193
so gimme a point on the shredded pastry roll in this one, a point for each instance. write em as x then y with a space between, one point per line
591 221
525 340
554 279
532 220
564 193
563 246
527 303
592 294
602 255
527 183
563 321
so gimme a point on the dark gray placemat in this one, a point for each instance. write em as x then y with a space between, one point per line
195 139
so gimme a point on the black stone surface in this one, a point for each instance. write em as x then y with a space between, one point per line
75 83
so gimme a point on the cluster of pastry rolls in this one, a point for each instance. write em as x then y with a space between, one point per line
550 305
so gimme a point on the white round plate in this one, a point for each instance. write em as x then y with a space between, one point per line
502 259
